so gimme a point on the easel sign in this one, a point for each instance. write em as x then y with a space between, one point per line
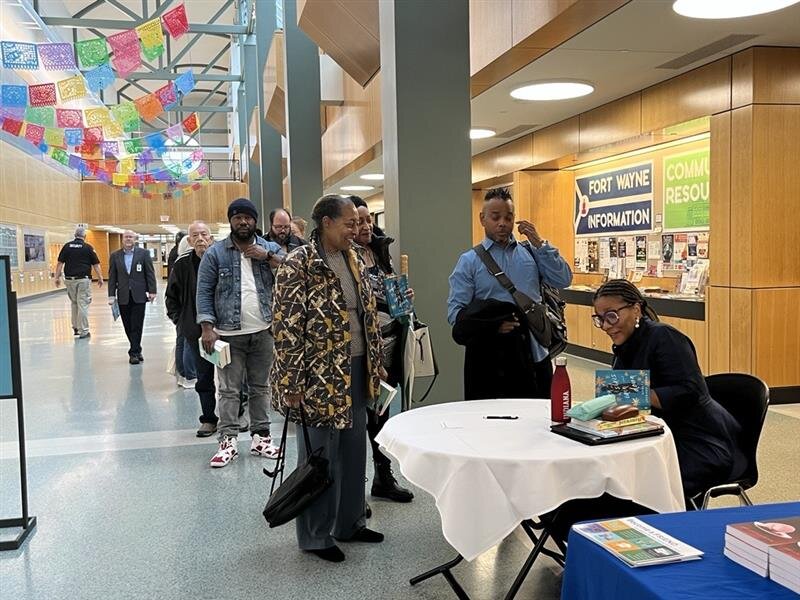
11 387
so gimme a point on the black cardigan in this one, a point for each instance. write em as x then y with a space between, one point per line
180 296
705 433
495 365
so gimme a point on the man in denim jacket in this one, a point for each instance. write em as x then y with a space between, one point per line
234 304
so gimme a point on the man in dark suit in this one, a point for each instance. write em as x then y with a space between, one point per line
132 278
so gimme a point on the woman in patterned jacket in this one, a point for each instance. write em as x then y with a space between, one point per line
328 364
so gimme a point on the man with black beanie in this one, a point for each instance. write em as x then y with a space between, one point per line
234 304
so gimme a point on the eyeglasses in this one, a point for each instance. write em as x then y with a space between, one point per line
282 227
610 316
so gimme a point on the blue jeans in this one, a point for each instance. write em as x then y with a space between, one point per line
184 359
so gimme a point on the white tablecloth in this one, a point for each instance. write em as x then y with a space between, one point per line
487 476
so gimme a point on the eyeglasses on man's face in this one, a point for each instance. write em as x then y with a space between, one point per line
610 316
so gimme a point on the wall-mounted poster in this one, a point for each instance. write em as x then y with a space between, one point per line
686 190
667 249
8 244
34 248
641 251
615 201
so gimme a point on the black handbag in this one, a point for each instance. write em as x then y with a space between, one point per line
302 486
546 320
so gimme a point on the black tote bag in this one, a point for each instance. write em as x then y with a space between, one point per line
302 486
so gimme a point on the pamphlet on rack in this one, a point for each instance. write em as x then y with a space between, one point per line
636 543
221 356
628 386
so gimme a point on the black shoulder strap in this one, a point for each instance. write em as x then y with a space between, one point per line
522 300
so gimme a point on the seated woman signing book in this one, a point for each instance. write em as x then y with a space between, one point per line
705 433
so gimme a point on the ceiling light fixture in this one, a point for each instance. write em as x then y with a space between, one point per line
356 188
552 90
727 9
481 133
372 177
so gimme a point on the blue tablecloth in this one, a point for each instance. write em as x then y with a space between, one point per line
594 573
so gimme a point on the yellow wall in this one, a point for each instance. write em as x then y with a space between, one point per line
36 197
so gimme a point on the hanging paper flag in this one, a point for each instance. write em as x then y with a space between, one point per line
74 162
43 94
149 106
191 123
126 114
185 83
166 95
12 126
12 112
93 135
100 78
15 95
97 116
54 137
34 133
92 53
155 141
202 169
127 165
175 132
127 57
110 148
72 88
175 21
152 38
112 130
59 155
133 146
120 179
19 55
73 137
66 117
89 149
57 57
41 116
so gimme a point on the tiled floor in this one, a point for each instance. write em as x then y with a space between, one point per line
128 507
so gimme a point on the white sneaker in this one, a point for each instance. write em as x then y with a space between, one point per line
263 446
189 383
226 452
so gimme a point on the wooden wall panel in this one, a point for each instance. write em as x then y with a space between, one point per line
775 231
699 93
484 166
514 156
741 330
718 318
776 335
720 194
490 31
612 122
99 241
742 78
477 205
274 82
583 334
529 16
741 186
776 75
556 141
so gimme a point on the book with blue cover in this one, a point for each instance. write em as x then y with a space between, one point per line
627 386
396 288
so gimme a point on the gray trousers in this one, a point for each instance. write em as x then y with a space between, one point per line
339 512
80 295
251 354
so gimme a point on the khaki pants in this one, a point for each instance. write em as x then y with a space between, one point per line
80 294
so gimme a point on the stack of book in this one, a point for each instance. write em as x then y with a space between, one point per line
609 429
770 549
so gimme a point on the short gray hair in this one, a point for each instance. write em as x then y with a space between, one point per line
80 232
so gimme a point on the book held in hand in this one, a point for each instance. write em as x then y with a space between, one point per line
385 398
115 310
627 386
636 543
396 288
221 356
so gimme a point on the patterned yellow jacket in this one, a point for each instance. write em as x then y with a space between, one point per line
312 338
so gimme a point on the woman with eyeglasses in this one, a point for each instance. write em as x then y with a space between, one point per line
705 433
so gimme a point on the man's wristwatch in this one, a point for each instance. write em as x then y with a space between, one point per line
270 254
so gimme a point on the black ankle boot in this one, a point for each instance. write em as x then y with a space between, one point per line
384 485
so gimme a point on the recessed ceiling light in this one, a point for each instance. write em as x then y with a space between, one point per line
372 177
727 9
356 188
481 133
552 90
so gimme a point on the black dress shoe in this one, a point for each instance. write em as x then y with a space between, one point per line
384 485
140 357
365 535
75 331
134 360
332 554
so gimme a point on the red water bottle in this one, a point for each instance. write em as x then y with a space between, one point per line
560 392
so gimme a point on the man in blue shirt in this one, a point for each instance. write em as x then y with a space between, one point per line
524 264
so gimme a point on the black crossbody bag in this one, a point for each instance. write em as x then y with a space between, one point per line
545 320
